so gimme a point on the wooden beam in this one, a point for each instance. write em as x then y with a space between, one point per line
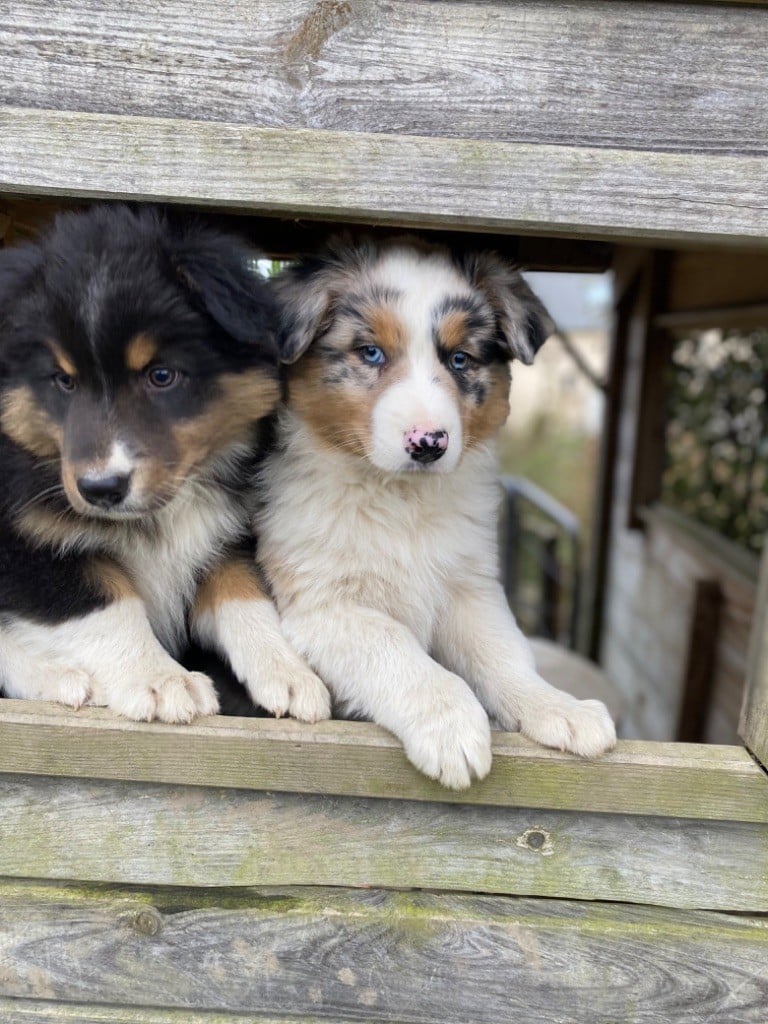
631 289
150 834
753 315
388 179
375 956
650 436
360 759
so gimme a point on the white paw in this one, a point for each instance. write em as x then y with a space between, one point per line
581 726
449 739
169 695
70 686
288 687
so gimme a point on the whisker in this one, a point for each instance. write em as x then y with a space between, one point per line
48 492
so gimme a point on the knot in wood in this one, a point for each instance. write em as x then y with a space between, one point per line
147 921
538 840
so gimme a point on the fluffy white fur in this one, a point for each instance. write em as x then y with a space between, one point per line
248 635
113 657
387 569
386 579
119 656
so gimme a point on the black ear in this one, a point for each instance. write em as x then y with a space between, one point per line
220 273
18 265
524 323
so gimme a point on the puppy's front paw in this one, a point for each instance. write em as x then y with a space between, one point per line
580 726
169 694
288 687
450 738
70 686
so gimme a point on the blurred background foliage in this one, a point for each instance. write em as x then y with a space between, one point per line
717 433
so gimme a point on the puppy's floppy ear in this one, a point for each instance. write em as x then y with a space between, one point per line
18 264
303 292
524 324
308 291
219 272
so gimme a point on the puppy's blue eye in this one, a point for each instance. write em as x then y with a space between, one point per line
64 381
162 377
373 355
458 361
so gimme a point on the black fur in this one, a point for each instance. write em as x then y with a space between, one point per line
93 282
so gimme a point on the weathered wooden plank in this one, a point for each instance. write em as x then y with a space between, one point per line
384 956
360 759
705 279
558 73
388 179
143 834
753 727
39 1011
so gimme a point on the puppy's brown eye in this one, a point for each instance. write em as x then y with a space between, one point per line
162 377
64 381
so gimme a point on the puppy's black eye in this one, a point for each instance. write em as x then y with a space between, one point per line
162 377
64 381
459 360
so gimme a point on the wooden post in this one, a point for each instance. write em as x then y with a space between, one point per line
753 727
702 650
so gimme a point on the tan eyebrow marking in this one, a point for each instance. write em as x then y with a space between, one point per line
140 352
65 363
453 328
387 329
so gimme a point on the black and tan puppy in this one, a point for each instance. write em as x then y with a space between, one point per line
137 359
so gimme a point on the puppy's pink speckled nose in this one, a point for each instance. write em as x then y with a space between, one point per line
426 445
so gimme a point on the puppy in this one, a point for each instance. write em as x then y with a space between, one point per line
379 525
137 360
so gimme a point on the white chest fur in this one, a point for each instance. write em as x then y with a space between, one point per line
338 529
165 567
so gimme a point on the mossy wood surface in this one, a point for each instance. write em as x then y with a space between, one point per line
639 75
341 955
360 759
133 833
45 1011
388 179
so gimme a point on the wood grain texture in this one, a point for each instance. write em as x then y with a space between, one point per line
383 956
388 179
360 759
43 1011
130 833
645 75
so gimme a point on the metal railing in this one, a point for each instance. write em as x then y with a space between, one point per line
540 551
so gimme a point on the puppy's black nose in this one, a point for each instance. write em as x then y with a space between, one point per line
104 491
